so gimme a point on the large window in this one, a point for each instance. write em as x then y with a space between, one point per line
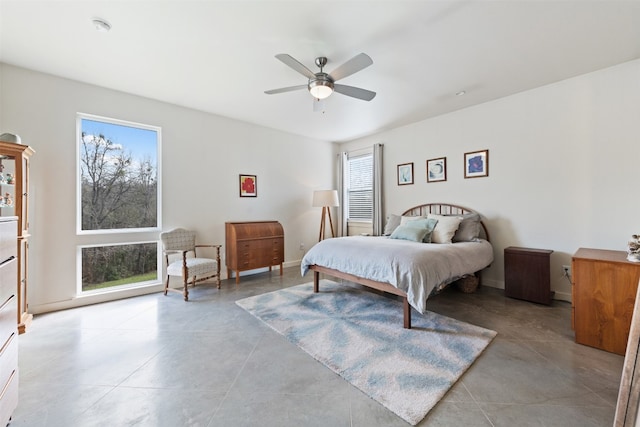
118 194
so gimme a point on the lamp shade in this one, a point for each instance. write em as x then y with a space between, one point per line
323 198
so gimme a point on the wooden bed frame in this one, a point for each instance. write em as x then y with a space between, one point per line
420 210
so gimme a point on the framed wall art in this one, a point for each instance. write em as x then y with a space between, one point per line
405 174
248 186
437 169
476 164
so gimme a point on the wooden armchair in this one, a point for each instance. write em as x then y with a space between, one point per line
179 248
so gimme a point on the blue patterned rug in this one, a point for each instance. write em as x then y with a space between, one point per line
359 335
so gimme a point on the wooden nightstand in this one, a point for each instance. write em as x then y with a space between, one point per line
604 291
527 274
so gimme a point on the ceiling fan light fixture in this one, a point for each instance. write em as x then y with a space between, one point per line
321 87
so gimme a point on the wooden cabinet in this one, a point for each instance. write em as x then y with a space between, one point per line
604 291
252 245
15 160
527 274
14 187
8 313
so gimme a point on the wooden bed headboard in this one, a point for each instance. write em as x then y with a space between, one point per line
445 209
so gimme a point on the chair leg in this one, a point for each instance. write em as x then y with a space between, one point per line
218 281
166 286
186 291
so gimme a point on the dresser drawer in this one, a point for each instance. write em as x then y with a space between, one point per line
8 242
9 381
8 281
9 397
8 359
8 319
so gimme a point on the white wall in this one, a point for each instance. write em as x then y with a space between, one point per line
563 162
203 155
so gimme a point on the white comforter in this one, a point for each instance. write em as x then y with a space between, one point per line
416 268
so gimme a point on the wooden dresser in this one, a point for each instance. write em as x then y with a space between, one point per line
252 245
8 315
604 290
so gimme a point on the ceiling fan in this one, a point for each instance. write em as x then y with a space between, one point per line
322 84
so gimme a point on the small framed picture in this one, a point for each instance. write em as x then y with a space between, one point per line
476 164
248 186
405 174
437 169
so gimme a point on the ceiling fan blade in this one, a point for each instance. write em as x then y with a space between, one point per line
293 63
285 89
355 92
355 64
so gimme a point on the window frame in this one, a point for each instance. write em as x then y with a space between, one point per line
117 236
158 130
154 282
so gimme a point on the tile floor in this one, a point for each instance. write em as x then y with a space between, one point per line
158 361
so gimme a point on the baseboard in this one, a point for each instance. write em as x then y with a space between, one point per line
94 299
560 296
491 283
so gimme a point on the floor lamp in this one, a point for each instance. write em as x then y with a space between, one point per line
326 199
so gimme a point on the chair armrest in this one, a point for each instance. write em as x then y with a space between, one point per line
216 247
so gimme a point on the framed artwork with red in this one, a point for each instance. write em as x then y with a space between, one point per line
248 186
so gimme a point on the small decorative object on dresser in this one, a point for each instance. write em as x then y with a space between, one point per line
633 249
253 245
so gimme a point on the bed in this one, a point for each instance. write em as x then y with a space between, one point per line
405 262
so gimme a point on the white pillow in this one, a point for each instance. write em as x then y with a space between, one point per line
445 228
405 219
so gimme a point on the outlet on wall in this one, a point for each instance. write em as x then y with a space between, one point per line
301 246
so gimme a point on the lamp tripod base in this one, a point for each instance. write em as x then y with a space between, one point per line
325 212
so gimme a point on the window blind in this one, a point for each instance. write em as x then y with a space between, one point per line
360 190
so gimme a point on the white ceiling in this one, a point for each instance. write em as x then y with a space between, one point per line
218 56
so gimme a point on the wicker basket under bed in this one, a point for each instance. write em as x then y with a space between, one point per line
468 284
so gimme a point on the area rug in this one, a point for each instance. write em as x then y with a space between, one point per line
359 335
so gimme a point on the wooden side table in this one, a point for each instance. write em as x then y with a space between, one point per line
604 292
527 274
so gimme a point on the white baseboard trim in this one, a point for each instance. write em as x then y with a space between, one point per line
94 299
560 296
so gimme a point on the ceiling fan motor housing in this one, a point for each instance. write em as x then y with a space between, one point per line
321 86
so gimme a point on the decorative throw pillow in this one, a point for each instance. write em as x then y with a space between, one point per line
409 232
393 221
445 228
428 223
422 223
469 229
